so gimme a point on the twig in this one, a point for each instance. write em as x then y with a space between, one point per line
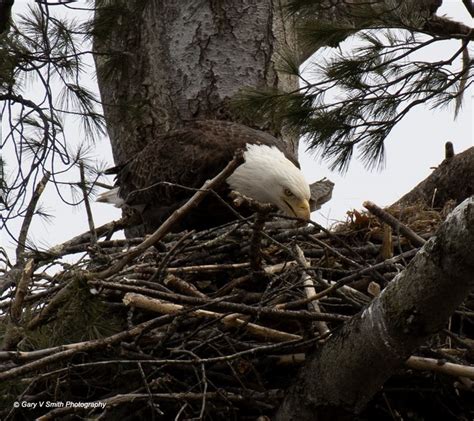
291 359
85 194
208 268
53 305
158 274
160 397
182 286
30 211
431 364
256 242
386 251
269 270
33 297
82 240
310 291
175 217
394 223
235 320
336 252
70 350
348 279
221 305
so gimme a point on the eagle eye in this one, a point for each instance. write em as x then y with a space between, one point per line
288 193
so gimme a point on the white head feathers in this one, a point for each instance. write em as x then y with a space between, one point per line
269 177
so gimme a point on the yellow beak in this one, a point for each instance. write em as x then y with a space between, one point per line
300 208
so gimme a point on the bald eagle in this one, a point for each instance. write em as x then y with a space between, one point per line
164 175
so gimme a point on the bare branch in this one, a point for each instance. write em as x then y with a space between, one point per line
20 250
396 225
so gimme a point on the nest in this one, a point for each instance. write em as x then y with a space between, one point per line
213 324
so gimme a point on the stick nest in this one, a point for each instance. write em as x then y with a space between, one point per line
211 325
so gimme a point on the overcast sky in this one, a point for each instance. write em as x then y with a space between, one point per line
414 146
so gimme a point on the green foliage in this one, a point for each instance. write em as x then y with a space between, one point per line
80 317
356 96
318 34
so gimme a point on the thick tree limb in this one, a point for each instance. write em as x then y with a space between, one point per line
376 343
452 180
355 15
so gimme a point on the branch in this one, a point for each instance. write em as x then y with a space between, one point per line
234 320
84 239
220 305
30 211
356 15
310 291
375 344
414 363
67 351
21 291
347 279
159 398
444 27
87 204
394 223
175 217
430 364
452 180
13 333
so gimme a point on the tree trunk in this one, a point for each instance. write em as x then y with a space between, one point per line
185 60
452 180
339 379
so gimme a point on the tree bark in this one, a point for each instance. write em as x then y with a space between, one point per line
339 379
185 60
452 180
351 16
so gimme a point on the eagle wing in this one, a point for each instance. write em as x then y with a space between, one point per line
169 169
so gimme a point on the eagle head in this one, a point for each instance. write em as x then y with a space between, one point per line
269 177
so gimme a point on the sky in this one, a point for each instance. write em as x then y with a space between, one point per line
414 146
